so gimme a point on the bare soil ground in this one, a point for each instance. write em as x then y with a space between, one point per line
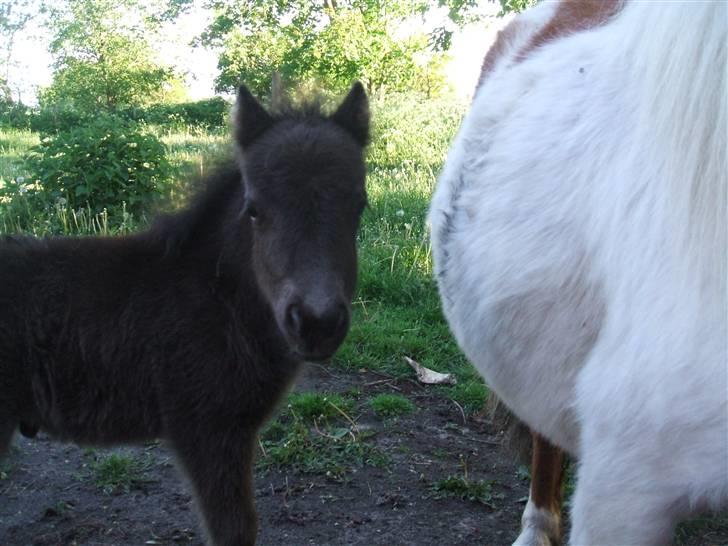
49 493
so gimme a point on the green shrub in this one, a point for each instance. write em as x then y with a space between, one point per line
205 114
104 164
50 120
15 115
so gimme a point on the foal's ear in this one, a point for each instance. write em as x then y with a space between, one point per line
251 119
353 114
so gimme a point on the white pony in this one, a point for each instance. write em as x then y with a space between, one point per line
580 247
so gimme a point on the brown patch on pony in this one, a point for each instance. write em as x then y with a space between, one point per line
572 17
547 474
499 48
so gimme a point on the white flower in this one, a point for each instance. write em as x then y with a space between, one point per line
20 179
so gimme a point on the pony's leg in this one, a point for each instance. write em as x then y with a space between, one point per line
618 500
541 521
220 467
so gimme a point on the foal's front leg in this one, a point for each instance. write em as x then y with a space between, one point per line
220 466
541 521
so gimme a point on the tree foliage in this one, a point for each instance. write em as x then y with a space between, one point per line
103 56
509 6
331 41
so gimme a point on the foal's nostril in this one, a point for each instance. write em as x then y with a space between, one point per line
294 320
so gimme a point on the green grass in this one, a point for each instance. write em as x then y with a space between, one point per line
311 406
333 447
391 405
118 472
14 143
460 487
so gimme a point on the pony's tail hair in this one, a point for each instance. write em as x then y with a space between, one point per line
683 49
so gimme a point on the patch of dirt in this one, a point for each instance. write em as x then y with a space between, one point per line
48 495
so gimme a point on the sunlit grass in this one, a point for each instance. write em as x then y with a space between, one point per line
194 151
14 143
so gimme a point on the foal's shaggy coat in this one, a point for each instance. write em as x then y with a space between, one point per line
579 238
191 331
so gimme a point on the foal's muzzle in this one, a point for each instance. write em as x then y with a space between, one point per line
315 333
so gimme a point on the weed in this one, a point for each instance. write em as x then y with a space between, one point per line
470 394
460 487
523 473
58 509
391 405
119 472
311 406
333 448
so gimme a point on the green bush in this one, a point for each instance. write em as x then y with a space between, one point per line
15 115
50 120
205 114
102 165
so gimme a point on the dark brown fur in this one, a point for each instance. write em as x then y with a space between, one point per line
192 331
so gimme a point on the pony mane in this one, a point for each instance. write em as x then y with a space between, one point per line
207 206
683 115
309 107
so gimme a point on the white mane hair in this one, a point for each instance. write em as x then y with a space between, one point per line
683 125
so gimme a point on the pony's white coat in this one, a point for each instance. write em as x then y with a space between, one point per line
579 238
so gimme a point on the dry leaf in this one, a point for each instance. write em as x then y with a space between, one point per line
428 376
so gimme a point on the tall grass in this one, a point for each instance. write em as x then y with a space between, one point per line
14 143
397 309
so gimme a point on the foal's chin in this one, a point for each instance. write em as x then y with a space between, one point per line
322 355
316 352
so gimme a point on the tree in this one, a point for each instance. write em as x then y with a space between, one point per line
103 56
15 16
330 41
